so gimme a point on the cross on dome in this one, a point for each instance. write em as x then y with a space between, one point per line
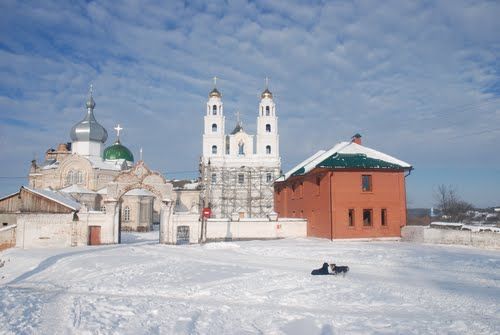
215 81
118 129
267 82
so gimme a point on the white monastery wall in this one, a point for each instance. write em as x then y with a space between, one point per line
104 220
7 237
242 229
424 234
49 230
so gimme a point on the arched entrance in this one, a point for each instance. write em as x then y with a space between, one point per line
139 177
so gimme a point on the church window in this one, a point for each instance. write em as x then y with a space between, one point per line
69 178
269 177
214 110
80 177
214 128
268 128
268 149
214 149
214 178
126 214
103 209
267 111
241 149
241 178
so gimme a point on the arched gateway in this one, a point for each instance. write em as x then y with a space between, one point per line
139 177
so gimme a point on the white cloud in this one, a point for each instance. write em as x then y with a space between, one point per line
395 71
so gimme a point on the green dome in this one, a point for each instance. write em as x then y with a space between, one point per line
118 151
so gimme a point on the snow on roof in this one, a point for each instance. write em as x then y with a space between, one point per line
140 191
349 148
76 189
354 148
103 190
298 166
8 195
56 196
99 163
191 186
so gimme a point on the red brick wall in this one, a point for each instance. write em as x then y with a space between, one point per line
337 193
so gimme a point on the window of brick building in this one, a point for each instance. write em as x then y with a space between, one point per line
351 217
366 183
383 217
367 217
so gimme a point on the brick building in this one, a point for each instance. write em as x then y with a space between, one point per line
349 191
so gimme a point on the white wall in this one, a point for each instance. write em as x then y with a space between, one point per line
243 229
49 230
104 220
424 234
7 237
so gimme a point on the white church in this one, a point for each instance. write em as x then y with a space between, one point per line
238 169
85 192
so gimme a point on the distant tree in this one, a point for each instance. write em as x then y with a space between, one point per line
452 208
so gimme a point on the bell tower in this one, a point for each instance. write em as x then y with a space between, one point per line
213 135
267 126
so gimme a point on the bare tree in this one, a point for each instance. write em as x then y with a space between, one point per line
449 203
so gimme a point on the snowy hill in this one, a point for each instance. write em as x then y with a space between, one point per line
249 288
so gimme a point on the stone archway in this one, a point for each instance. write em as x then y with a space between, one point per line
139 177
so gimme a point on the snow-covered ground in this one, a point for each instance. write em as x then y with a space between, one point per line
141 287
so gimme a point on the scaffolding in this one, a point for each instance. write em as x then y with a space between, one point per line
245 191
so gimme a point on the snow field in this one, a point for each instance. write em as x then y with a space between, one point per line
254 287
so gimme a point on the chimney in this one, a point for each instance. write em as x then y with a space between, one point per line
356 139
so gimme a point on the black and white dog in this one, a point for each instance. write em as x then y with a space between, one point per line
336 269
321 271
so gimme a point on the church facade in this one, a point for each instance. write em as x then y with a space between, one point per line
238 169
84 167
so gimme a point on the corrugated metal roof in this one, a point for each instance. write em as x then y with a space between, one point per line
56 196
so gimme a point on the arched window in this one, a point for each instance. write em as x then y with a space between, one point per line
267 111
268 149
214 128
80 177
126 214
214 178
69 178
214 110
241 148
214 149
268 128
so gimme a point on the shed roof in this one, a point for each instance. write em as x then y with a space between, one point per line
56 197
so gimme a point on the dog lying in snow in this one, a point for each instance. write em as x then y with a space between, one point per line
321 271
339 269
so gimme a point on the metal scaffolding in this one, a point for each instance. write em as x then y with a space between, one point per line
246 191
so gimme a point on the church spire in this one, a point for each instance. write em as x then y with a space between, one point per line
215 92
267 93
90 101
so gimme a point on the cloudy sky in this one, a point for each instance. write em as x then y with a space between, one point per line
419 80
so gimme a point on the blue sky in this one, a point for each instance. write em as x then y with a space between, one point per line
420 80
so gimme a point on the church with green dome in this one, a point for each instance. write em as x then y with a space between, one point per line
118 151
84 168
